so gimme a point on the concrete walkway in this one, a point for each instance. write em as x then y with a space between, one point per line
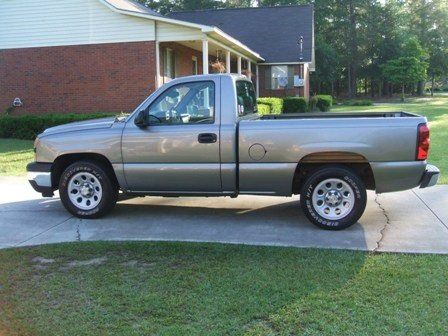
410 221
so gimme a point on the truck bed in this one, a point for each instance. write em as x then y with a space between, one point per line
339 115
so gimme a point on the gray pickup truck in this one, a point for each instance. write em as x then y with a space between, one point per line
202 136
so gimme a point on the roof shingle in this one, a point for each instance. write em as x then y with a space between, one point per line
273 32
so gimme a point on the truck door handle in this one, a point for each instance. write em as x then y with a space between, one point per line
207 138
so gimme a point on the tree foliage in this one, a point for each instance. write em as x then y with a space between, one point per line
356 40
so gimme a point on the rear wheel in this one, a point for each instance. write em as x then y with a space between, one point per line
86 190
333 198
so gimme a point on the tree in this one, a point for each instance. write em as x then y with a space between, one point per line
405 70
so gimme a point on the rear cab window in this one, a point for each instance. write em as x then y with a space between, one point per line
246 98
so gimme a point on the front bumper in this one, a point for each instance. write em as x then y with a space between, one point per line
39 176
430 176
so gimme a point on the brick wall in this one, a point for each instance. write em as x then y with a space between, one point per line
80 79
299 91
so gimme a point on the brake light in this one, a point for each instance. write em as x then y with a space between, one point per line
422 142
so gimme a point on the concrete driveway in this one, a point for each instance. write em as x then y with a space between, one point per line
410 221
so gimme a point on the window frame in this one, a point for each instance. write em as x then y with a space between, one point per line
183 84
166 51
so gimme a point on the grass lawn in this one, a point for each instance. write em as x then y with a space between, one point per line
436 110
14 156
148 288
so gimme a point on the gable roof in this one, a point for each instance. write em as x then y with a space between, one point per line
273 32
132 6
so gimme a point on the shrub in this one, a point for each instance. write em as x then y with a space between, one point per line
263 109
29 126
358 102
295 105
275 104
321 102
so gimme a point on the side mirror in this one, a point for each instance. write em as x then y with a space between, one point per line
141 119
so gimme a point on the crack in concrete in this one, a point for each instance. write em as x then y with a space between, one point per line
382 231
78 232
45 231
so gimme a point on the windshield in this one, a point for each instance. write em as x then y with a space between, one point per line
246 98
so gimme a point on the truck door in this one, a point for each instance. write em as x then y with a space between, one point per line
179 151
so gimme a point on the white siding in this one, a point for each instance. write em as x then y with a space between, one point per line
171 32
30 23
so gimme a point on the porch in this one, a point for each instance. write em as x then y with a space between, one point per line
211 52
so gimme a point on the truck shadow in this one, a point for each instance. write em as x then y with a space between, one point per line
250 220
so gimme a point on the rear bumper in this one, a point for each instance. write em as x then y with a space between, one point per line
430 176
39 176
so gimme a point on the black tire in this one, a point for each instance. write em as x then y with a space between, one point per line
109 190
333 172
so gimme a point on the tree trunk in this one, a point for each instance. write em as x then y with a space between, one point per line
433 81
420 88
402 93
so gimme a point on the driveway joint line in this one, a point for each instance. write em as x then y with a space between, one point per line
45 231
383 230
432 211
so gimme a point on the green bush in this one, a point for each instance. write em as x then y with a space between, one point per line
322 103
275 104
263 108
295 105
358 102
29 126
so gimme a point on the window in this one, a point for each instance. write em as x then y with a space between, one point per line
190 103
168 63
246 98
194 63
279 77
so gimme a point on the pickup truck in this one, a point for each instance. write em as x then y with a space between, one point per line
202 136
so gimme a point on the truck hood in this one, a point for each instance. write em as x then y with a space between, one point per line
80 126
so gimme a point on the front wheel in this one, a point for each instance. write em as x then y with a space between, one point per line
333 198
86 190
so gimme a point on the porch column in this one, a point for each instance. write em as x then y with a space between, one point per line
239 65
228 61
249 65
257 81
157 65
204 57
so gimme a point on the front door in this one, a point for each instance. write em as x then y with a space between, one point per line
179 151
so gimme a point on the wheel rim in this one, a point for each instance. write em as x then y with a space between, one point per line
84 191
333 199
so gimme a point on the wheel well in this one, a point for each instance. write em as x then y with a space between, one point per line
63 161
355 162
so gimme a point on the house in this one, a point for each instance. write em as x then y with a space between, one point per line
107 55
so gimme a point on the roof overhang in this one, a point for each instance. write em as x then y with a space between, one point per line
214 33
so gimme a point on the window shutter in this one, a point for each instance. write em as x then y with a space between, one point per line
268 77
290 76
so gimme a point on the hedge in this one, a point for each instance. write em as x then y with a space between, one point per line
321 102
275 104
263 109
294 105
27 127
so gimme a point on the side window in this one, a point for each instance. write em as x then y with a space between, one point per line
190 103
246 98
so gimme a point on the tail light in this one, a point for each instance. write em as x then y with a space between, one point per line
422 142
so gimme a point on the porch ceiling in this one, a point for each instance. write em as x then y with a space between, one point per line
213 49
